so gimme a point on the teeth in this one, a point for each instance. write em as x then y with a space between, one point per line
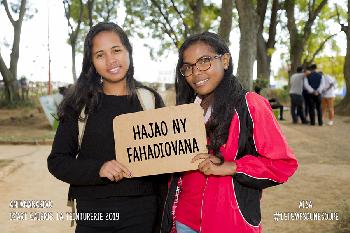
114 70
201 82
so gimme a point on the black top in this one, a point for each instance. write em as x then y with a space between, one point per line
314 79
97 147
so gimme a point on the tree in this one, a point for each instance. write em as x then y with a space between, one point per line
344 106
169 21
299 36
265 48
10 74
73 8
226 20
81 16
247 53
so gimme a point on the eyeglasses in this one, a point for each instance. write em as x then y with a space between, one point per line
202 64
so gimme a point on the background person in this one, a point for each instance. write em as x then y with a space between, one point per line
296 95
328 95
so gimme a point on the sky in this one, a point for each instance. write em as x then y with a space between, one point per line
33 62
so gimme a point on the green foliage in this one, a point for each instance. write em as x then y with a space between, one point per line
282 74
262 83
103 10
332 66
281 94
166 22
321 33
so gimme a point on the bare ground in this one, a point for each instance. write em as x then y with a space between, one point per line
322 177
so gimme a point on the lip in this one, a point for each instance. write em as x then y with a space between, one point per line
114 70
201 83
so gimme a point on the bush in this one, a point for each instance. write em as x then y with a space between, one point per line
282 95
30 103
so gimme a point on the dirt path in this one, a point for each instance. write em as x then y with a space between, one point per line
31 181
322 178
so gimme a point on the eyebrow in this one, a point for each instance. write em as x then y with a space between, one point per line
113 47
183 62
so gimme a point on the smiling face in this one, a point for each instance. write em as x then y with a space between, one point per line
205 82
111 61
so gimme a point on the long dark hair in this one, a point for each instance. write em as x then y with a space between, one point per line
87 92
227 95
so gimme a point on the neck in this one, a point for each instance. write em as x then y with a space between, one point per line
115 88
207 100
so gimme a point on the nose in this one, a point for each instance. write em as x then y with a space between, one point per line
195 70
110 59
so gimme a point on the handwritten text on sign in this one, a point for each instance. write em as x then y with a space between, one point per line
160 140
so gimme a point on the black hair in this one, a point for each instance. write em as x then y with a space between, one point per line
257 90
300 69
312 67
227 95
87 92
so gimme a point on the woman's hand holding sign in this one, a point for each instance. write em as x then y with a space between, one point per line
211 165
114 171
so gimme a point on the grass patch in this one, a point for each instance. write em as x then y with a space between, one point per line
343 224
48 137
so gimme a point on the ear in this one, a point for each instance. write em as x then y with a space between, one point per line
226 60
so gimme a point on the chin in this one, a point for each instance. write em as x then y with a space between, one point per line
203 91
114 79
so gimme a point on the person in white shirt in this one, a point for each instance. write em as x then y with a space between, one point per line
328 95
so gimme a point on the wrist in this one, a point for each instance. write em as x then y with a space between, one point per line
230 168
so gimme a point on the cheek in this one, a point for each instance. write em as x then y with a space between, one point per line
190 81
97 64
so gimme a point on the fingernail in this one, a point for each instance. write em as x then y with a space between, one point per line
130 175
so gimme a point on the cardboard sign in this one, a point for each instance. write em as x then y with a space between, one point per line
161 140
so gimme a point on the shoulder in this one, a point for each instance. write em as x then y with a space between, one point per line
151 95
257 103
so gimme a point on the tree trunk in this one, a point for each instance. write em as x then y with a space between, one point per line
73 34
343 108
90 7
226 20
10 74
263 60
247 53
74 72
299 39
197 12
265 48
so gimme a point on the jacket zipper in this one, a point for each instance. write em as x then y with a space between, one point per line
205 186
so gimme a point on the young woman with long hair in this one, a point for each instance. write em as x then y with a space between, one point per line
246 149
108 198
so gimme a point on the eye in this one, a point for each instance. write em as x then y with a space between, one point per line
204 60
117 50
99 55
185 67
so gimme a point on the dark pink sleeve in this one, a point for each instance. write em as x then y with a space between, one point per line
276 161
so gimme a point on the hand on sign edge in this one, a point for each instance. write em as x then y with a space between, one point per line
211 165
114 171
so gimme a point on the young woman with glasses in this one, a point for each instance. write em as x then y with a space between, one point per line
246 149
